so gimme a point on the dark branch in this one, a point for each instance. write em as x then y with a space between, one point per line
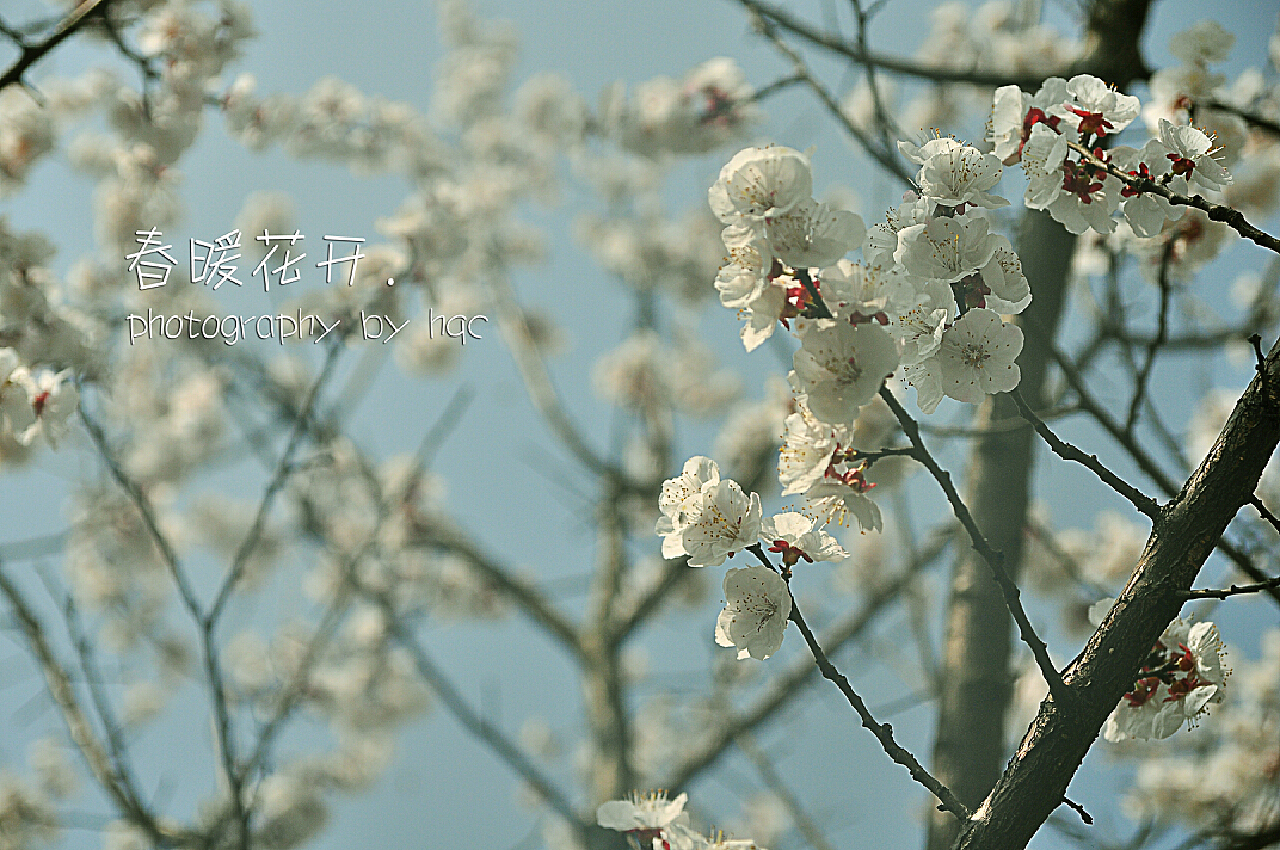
33 53
994 559
1066 451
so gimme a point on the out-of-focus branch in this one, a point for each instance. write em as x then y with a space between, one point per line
885 156
1253 119
537 379
436 532
33 53
897 65
489 734
612 772
284 466
209 652
116 783
774 782
1143 375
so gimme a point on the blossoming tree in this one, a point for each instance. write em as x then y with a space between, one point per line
289 630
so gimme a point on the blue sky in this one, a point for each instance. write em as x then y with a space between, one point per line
443 790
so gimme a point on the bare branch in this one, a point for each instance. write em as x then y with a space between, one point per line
882 731
485 731
113 781
283 468
885 156
33 53
1144 460
1234 590
836 44
1066 451
1162 334
1012 596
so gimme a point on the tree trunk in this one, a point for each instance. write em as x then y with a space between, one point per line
975 682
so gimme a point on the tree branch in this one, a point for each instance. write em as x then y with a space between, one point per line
882 731
1229 216
1144 503
33 53
995 561
1180 542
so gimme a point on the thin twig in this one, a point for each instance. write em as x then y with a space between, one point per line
882 731
792 684
1144 460
32 53
212 665
779 85
1234 590
994 559
471 719
127 800
836 44
145 509
1144 503
1264 512
886 157
1253 119
1229 216
283 468
1162 334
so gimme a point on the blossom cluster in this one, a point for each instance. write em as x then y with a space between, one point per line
928 296
1058 135
1181 675
653 821
1231 780
709 519
34 403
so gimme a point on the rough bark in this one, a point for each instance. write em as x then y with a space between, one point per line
1181 540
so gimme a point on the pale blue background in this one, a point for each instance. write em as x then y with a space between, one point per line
443 790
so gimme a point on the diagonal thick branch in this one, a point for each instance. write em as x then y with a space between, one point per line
1182 538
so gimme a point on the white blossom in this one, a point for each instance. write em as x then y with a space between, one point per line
841 366
642 812
812 234
952 173
977 356
1195 149
757 605
946 249
1182 675
797 536
729 521
919 323
742 280
1204 42
758 183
